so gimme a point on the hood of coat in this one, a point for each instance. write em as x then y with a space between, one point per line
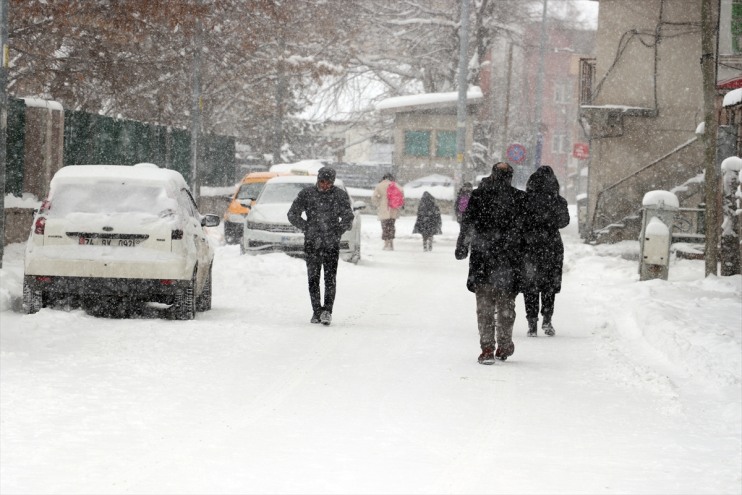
543 181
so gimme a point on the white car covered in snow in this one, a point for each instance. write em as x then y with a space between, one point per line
267 228
121 233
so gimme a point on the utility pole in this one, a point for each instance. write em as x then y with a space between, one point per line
463 87
3 118
709 33
196 109
540 91
280 97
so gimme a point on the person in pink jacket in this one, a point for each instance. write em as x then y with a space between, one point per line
386 215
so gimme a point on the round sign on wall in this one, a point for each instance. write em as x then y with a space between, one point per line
516 153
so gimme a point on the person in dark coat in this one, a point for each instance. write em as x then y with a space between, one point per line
428 222
462 200
546 212
328 216
492 228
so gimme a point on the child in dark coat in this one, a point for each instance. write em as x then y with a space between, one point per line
428 221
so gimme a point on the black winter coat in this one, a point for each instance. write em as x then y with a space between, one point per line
492 226
428 222
546 212
328 213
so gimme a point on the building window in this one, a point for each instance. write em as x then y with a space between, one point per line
563 92
417 143
560 144
737 26
445 144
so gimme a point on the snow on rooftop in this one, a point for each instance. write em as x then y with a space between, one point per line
473 93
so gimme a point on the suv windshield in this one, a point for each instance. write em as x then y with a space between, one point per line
109 197
250 191
282 192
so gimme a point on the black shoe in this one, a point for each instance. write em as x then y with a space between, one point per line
505 351
315 318
325 318
548 329
532 327
487 356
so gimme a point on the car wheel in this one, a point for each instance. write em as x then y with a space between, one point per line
185 307
204 299
33 300
229 234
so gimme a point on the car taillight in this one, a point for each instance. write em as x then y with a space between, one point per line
44 279
39 226
176 234
167 281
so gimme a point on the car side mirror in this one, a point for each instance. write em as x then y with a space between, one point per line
210 220
359 205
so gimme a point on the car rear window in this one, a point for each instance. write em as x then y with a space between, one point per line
109 197
282 192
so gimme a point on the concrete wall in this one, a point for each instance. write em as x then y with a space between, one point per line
43 148
664 79
17 224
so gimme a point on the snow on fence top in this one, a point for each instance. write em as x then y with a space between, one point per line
39 103
733 97
655 198
732 163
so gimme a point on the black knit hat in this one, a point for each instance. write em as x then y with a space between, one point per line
326 173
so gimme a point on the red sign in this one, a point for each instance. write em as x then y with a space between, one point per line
581 151
516 153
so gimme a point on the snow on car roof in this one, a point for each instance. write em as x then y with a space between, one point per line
142 172
302 179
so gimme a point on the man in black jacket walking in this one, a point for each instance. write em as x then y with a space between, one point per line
328 216
492 228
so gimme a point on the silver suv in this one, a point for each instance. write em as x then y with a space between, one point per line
121 233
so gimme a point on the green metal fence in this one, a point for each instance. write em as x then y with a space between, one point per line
14 158
98 139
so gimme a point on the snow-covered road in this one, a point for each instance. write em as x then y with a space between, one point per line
251 398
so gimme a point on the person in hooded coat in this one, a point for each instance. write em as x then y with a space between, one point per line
428 222
328 215
492 229
546 212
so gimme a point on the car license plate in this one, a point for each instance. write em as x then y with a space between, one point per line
97 241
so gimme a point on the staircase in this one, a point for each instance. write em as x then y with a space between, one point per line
617 215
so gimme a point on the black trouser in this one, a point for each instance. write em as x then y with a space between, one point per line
547 304
387 229
317 259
